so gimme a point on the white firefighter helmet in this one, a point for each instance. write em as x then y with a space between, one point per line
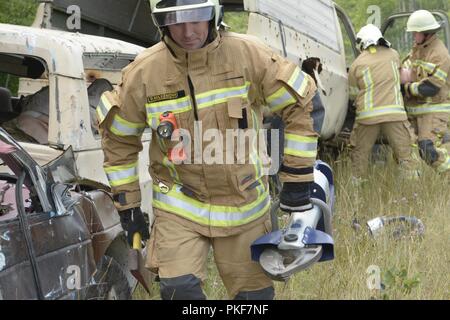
169 12
370 35
422 21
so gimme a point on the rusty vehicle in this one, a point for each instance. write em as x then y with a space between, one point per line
55 239
63 71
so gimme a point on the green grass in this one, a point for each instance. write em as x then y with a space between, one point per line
238 21
411 268
20 12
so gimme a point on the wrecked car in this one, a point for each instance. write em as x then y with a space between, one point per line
55 239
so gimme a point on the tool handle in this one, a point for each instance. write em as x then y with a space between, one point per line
137 244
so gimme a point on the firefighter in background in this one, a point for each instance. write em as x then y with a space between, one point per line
200 77
374 80
427 90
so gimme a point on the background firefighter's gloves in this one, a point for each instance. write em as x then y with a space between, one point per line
295 197
133 221
428 152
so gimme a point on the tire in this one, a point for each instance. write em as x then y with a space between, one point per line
110 281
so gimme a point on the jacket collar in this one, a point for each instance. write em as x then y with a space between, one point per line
191 59
426 43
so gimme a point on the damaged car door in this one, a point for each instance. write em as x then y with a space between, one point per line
46 250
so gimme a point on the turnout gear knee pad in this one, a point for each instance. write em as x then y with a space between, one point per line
428 152
263 294
181 288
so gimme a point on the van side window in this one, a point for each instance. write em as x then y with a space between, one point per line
348 37
24 97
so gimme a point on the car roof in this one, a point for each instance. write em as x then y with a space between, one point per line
57 46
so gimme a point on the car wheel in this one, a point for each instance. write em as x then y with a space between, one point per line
110 281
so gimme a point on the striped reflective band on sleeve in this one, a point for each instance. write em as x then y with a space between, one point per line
124 128
300 146
103 108
441 75
414 89
282 98
121 175
446 165
368 82
428 108
380 111
214 97
207 214
432 69
426 66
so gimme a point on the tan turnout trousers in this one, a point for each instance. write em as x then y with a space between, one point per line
400 138
177 248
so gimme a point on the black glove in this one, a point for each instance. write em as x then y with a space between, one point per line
295 197
428 151
133 221
404 89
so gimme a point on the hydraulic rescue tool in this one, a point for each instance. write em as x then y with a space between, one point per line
307 238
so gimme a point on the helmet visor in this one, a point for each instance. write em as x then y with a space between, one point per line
182 16
176 3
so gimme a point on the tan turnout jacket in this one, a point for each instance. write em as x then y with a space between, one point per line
430 61
374 81
223 87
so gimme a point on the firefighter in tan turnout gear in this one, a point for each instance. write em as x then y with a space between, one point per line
374 80
202 80
427 91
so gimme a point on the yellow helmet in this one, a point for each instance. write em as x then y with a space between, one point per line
168 12
422 21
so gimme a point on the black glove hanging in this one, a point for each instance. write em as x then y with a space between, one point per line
133 221
295 197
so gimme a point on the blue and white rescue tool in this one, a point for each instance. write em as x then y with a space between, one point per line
308 237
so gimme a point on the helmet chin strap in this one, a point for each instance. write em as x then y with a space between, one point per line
212 33
427 36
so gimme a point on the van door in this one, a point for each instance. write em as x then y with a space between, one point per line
17 280
46 248
394 30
